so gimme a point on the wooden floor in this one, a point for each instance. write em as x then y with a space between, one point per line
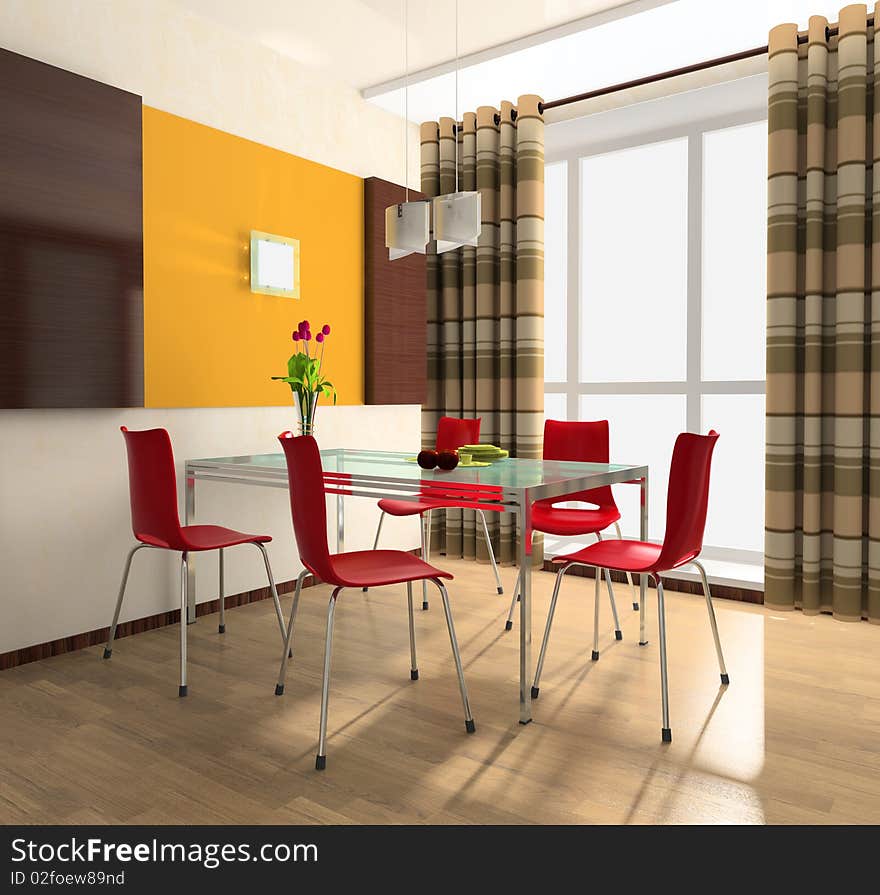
794 739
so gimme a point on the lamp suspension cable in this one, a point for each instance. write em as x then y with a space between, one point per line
406 99
455 126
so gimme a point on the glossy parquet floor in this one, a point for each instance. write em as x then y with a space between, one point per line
794 739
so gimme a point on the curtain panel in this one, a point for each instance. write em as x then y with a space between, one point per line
485 304
822 544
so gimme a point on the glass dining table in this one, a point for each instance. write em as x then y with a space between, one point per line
509 486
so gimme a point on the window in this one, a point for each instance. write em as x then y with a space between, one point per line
656 300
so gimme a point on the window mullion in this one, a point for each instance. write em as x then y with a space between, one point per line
694 279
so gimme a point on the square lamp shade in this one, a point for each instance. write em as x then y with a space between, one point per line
274 264
457 220
407 229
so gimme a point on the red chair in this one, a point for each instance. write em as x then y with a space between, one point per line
452 433
582 442
687 501
156 523
358 569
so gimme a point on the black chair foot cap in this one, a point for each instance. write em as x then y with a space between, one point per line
107 653
414 674
508 626
221 629
618 635
320 762
725 679
667 734
595 656
469 726
500 590
643 643
290 653
279 689
366 589
181 691
635 607
518 597
535 691
424 605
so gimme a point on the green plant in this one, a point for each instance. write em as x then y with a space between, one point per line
304 374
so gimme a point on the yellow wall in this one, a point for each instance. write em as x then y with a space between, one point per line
208 340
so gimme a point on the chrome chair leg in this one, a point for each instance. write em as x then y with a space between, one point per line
543 654
413 664
725 678
183 625
498 584
618 634
376 539
378 531
278 613
595 656
321 758
629 577
469 725
666 731
643 610
426 553
108 649
288 640
513 601
221 628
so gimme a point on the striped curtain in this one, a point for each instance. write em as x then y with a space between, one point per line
486 304
822 547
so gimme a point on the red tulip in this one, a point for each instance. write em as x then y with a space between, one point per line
325 329
319 337
296 337
305 324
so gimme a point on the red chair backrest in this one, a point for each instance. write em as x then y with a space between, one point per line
582 442
305 477
152 486
452 433
687 498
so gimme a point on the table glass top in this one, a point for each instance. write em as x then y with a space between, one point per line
508 473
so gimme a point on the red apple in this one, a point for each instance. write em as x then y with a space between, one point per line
447 459
427 459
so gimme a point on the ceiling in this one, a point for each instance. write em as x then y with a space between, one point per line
361 41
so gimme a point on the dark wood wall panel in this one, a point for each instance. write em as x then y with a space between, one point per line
71 239
395 325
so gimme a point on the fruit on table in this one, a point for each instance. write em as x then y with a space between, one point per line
427 459
447 459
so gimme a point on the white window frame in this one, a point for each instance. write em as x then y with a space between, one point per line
694 386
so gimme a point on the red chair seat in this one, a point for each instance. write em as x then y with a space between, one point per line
561 521
407 507
208 537
625 556
375 568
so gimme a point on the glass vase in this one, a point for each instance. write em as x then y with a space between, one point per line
306 407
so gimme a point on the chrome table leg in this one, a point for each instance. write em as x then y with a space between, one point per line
189 515
643 578
525 609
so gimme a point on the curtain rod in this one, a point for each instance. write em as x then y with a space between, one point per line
830 31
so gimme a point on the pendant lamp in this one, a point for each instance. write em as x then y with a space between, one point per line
408 224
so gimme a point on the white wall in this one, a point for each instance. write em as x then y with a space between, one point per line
64 523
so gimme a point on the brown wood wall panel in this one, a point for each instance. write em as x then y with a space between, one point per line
395 325
71 239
